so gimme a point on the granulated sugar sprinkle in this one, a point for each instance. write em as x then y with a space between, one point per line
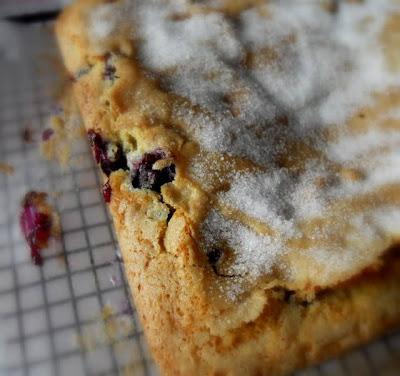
265 80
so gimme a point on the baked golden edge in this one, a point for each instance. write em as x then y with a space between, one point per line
184 323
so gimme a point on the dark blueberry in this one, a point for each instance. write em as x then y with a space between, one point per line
114 162
214 255
35 225
108 155
109 69
107 191
47 133
109 72
144 176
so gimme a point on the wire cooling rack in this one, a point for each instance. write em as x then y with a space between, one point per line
47 312
50 313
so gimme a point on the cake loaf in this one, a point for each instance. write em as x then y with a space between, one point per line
250 154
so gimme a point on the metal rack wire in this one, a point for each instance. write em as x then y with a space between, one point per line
43 310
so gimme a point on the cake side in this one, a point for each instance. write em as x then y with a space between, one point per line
190 325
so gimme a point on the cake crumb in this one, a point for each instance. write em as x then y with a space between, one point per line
110 327
27 135
64 129
6 168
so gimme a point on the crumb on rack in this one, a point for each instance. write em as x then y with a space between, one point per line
55 147
64 128
110 327
57 140
39 223
56 194
6 168
47 133
27 135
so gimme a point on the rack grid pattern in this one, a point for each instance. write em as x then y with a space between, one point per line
44 310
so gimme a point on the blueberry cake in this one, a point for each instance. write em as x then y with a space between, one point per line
250 153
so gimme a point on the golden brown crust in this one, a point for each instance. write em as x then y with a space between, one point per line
191 328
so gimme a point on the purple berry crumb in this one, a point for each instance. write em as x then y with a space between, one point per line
47 133
35 225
